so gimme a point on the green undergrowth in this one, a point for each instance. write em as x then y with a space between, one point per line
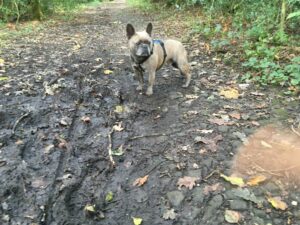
260 37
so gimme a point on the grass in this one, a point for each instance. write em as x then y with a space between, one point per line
144 5
9 31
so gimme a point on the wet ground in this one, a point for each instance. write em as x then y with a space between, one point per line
57 113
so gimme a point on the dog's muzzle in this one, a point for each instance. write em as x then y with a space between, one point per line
143 50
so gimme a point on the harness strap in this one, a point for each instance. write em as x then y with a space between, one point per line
162 44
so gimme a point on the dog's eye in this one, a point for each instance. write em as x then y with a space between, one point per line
146 42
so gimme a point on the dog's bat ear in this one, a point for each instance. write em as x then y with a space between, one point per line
149 28
130 31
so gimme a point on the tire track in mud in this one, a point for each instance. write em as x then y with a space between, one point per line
47 215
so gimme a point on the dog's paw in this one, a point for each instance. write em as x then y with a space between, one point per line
149 92
185 85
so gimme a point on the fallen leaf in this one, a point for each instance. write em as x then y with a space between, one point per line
107 72
62 145
63 122
229 93
192 96
119 109
89 208
140 181
109 196
48 149
169 214
235 115
118 127
86 119
256 180
202 151
277 203
210 142
2 62
255 123
19 142
38 183
2 78
220 121
255 93
206 131
234 180
137 221
76 46
211 188
232 216
2 163
118 152
188 182
245 194
265 144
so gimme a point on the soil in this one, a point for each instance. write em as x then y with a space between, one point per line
58 109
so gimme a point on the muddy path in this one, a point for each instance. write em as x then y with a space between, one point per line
58 108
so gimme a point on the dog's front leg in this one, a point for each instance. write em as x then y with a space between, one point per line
151 83
139 75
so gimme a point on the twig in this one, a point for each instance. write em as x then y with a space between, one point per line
109 148
18 121
294 130
211 174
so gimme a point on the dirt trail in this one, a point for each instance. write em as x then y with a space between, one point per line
53 164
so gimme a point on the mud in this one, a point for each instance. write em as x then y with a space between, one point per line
53 164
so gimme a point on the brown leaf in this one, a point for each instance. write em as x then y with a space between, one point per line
188 182
210 142
220 121
235 115
211 188
140 181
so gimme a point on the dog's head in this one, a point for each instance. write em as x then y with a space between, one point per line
140 43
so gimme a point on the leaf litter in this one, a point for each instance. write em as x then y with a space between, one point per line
169 214
188 182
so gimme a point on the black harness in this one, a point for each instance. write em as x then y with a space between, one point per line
140 62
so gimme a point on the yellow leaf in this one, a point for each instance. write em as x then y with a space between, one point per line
89 208
256 180
230 93
119 109
140 181
107 72
234 180
3 78
137 221
265 144
109 196
277 203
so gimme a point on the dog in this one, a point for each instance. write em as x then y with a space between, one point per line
150 55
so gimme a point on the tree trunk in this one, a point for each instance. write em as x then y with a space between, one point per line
282 17
37 10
